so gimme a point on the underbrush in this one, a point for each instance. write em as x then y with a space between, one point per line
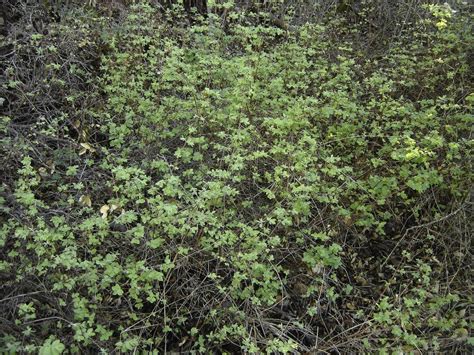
235 186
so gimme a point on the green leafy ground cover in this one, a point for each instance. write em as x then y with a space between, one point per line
222 184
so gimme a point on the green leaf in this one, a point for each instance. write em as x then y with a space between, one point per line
117 290
52 346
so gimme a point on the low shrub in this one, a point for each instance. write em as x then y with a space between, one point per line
237 187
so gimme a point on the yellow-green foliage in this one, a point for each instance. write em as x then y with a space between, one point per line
241 188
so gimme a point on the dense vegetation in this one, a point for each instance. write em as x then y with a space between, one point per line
220 176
